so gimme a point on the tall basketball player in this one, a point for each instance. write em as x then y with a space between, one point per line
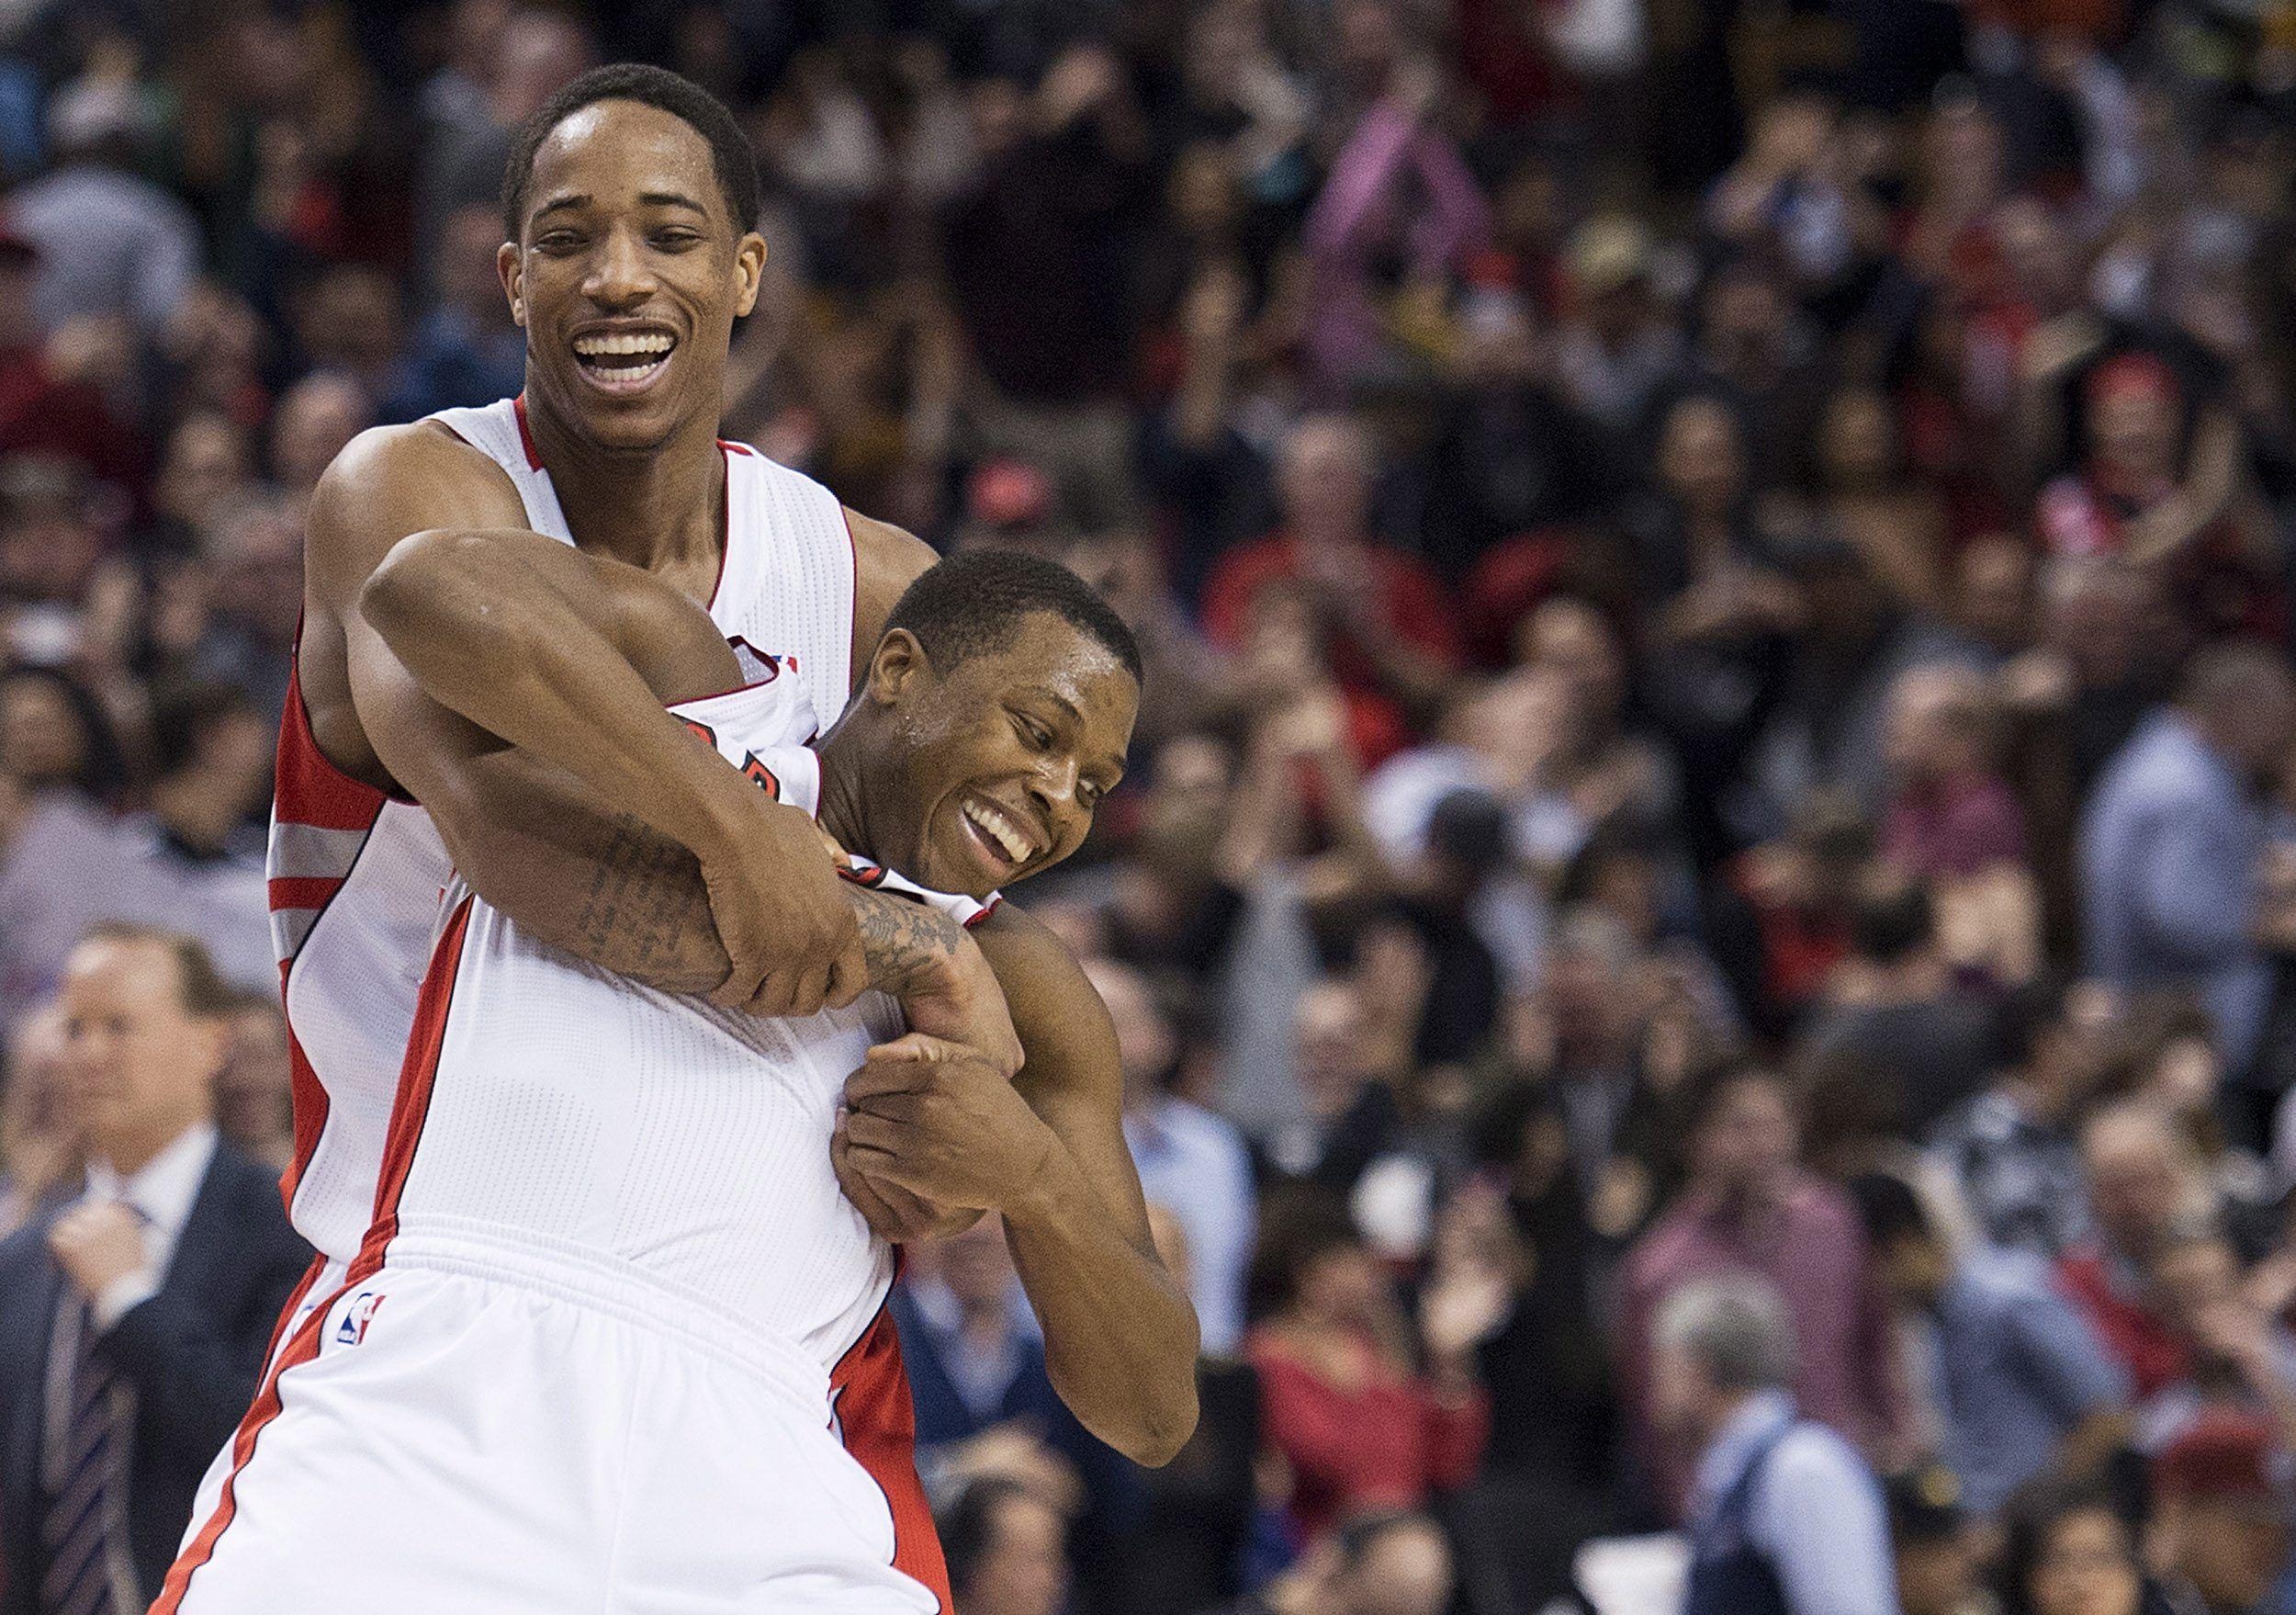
628 205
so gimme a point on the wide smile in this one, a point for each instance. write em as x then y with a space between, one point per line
1003 840
624 362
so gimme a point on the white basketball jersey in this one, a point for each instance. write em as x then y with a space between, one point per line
551 1108
356 877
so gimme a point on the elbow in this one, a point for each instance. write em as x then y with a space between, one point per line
1155 1432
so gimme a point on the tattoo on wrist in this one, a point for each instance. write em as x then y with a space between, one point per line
903 940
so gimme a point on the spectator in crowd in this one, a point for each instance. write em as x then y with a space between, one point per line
1749 1208
133 1322
1377 1564
1931 1539
1623 594
2171 842
2010 1157
2222 1517
2024 1386
1920 1045
41 1145
1357 1420
2145 1186
2068 1550
1785 1515
112 244
1192 1162
1005 1548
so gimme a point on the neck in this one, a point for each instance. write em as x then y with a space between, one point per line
132 1149
1727 1405
844 790
662 508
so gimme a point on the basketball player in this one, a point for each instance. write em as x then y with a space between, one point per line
587 1360
628 201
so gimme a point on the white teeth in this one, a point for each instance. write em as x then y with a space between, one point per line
596 346
1000 830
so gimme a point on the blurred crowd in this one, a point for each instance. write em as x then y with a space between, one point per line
1703 927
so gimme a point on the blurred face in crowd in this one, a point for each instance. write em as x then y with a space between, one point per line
316 417
1684 1401
1188 795
38 1105
1859 441
1144 1043
1936 1576
1700 461
257 550
2070 1054
2094 614
1406 1570
207 463
1746 1142
1024 1570
1929 733
975 1265
1573 640
1325 481
139 1061
2232 1549
2142 1179
2086 1566
2255 726
42 741
2134 431
626 244
1993 587
1342 1286
1330 1029
254 1101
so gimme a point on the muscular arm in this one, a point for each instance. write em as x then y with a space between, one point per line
491 637
1120 1335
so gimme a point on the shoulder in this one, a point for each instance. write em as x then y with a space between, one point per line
1054 1004
392 481
1815 1467
887 560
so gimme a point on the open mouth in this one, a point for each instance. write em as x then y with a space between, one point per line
624 361
1004 843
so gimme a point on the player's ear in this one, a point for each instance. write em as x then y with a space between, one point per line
748 272
509 268
898 667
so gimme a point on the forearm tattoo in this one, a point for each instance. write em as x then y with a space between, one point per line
645 913
902 939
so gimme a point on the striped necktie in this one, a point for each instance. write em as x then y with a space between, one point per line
86 1477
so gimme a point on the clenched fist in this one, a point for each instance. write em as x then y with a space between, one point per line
97 1243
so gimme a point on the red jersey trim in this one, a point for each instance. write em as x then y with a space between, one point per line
411 1107
525 434
876 1420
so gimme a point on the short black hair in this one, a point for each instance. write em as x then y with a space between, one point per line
974 601
967 1526
1892 920
730 153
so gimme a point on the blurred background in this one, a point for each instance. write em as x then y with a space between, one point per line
1712 842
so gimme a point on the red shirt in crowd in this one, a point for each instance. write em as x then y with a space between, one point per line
1385 1443
2154 1354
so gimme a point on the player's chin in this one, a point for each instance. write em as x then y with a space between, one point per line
965 862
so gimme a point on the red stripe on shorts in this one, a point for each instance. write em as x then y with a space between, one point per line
878 1421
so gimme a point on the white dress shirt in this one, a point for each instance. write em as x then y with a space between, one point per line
161 1193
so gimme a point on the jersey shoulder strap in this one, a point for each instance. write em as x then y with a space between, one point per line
499 432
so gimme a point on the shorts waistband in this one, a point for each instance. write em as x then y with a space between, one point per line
572 1273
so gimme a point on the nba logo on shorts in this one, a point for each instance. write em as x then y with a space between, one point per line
352 1329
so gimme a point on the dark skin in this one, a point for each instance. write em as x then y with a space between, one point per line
650 247
516 687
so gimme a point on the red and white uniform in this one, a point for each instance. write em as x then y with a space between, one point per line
595 1348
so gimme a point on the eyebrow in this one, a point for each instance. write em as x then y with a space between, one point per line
649 198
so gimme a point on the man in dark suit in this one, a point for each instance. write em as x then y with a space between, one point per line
133 1319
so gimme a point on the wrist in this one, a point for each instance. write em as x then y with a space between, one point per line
1044 1194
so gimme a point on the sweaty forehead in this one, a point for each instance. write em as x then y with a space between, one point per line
1046 652
616 151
